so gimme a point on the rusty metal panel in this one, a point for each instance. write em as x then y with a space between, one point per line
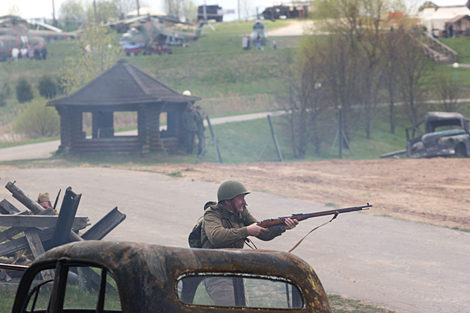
147 275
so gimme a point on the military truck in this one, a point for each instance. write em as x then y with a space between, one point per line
446 134
112 277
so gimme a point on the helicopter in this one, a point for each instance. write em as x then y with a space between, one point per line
15 34
148 34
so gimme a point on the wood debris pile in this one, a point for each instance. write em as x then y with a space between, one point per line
44 229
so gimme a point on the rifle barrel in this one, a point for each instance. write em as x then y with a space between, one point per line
301 216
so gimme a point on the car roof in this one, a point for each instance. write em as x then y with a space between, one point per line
142 269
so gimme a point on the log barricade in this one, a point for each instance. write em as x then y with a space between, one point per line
26 233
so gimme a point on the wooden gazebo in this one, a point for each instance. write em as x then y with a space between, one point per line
121 88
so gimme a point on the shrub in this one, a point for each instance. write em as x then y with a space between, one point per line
3 101
47 87
6 90
37 121
24 92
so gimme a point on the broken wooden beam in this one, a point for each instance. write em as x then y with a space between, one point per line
39 221
13 231
13 246
7 208
35 244
19 195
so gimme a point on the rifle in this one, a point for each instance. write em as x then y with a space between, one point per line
279 222
272 222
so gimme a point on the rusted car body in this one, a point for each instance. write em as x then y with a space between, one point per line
446 134
138 278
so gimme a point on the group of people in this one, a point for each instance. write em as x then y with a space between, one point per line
28 53
193 125
228 224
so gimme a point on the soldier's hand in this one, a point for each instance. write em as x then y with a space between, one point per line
290 223
254 229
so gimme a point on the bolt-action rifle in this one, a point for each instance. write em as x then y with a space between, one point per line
301 216
279 222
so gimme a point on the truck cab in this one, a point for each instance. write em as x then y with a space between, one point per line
446 134
114 276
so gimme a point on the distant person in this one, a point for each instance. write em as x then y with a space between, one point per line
201 139
44 200
189 127
450 29
14 54
258 42
24 53
274 44
30 52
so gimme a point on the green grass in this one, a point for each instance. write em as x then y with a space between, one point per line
459 45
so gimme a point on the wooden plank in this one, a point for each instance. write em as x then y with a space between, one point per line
37 248
39 221
19 195
13 231
10 247
7 208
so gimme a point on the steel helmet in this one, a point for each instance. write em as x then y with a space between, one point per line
230 189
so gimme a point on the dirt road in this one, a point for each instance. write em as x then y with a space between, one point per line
400 265
434 191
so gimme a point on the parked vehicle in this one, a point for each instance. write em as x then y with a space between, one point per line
105 276
445 135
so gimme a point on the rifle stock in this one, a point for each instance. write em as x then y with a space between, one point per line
301 216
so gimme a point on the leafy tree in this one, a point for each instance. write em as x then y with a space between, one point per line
96 51
37 120
47 87
24 92
75 9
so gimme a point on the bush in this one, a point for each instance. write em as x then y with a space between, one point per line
37 121
3 100
47 87
6 90
24 92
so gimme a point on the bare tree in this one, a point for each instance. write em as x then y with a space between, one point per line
414 68
389 71
305 101
448 91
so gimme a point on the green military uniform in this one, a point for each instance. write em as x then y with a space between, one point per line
200 131
189 128
223 229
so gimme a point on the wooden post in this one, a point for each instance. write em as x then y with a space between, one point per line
37 249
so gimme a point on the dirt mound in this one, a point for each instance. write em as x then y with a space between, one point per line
434 191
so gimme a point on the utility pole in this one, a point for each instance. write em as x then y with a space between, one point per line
138 8
238 2
94 9
54 23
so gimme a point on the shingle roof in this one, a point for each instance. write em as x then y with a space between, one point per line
123 84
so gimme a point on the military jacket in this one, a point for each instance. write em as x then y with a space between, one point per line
223 229
189 121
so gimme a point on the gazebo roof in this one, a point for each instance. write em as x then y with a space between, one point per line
120 85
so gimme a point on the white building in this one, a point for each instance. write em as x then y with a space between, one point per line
435 19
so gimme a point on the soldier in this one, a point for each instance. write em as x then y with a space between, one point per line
44 200
189 127
201 140
227 225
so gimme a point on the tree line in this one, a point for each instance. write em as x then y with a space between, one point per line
362 59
